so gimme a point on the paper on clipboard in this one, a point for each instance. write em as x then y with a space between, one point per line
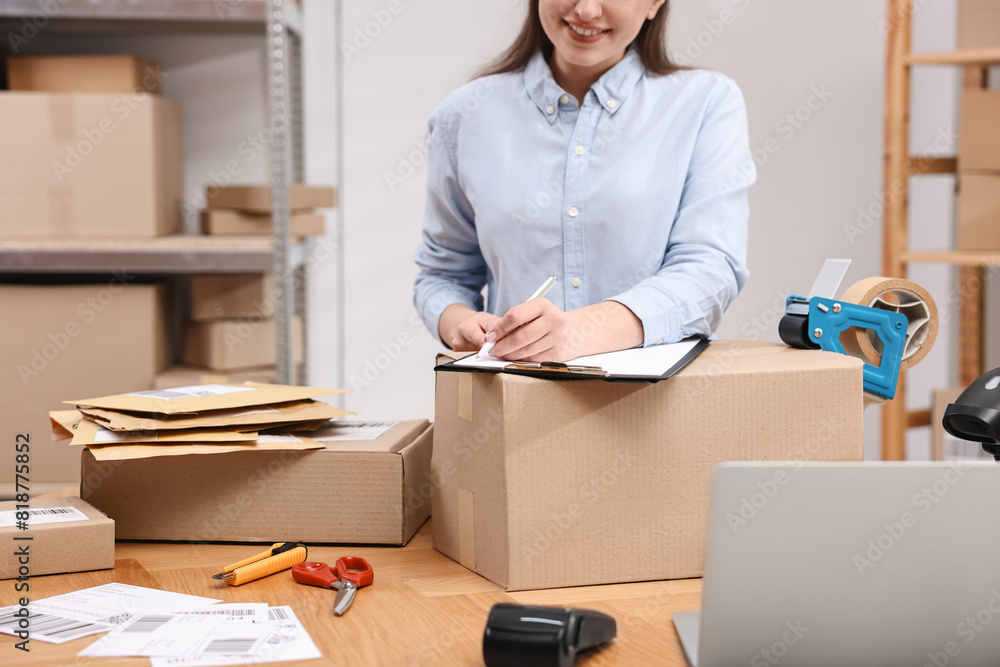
644 363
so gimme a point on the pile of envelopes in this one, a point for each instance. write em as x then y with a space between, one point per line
201 419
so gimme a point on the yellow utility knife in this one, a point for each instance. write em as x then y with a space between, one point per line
281 556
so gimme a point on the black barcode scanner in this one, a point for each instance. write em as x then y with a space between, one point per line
974 415
519 636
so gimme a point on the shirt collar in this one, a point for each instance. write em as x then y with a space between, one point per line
612 89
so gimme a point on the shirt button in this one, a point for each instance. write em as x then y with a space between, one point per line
611 104
578 150
576 282
550 110
564 99
573 211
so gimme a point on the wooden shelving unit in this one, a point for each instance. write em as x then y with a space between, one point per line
899 166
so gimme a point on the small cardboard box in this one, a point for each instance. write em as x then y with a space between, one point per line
67 535
979 142
90 164
225 345
73 340
230 222
373 491
84 74
548 483
979 210
257 198
180 375
232 295
978 24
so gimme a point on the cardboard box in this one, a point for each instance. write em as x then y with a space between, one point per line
67 535
84 74
224 295
226 345
979 142
257 198
978 24
359 492
547 483
230 222
90 164
72 340
185 376
978 211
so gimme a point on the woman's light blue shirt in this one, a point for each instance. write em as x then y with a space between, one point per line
638 196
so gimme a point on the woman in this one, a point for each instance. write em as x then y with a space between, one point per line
584 153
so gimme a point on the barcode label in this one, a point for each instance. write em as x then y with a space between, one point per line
276 614
50 626
149 623
963 450
194 391
351 431
232 645
227 612
39 515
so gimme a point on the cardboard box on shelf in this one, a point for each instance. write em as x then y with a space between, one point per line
978 24
226 345
979 132
73 340
90 164
978 211
230 222
257 198
186 376
232 295
84 74
546 483
67 535
359 491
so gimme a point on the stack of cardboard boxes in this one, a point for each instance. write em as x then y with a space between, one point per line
246 210
91 149
979 150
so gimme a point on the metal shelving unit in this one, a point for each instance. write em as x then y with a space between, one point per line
279 22
899 166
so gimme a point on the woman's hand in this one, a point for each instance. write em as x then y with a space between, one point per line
538 330
464 329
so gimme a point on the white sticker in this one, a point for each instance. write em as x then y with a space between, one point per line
194 391
351 431
278 438
40 515
107 435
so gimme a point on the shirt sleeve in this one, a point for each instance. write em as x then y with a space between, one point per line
704 266
452 268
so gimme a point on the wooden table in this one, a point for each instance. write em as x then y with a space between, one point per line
423 609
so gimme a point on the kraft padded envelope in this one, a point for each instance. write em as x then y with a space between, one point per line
258 417
89 433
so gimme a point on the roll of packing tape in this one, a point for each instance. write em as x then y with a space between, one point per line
901 296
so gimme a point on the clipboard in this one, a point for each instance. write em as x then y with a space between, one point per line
643 364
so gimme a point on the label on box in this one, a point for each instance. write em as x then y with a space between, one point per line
194 391
43 515
352 431
107 435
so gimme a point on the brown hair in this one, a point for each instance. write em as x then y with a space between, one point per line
650 44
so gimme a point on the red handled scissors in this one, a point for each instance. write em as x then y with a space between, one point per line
348 575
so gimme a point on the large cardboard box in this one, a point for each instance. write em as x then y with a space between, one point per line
67 341
78 74
257 198
373 491
979 142
547 483
230 222
979 211
90 164
225 345
978 24
180 375
64 535
232 295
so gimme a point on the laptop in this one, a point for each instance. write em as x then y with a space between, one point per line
834 564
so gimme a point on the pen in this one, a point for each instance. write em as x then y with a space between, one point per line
539 293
